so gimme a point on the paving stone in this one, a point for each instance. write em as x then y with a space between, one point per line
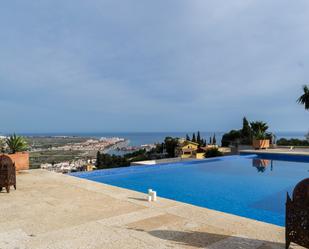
51 211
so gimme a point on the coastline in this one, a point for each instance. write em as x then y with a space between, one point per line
139 138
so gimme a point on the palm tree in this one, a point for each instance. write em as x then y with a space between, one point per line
16 143
259 126
304 99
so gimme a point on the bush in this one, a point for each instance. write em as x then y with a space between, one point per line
230 137
213 152
292 142
105 161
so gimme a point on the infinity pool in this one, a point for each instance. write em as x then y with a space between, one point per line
250 186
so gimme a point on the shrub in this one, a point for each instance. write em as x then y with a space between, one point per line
213 152
292 142
230 137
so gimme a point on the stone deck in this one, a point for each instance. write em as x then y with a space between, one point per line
50 210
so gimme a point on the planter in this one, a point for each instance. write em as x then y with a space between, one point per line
260 144
21 160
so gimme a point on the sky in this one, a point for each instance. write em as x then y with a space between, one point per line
164 65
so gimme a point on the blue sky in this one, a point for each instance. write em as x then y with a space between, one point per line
164 65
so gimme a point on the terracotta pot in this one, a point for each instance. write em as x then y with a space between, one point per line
21 160
261 144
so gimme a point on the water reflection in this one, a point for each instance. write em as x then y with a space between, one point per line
262 164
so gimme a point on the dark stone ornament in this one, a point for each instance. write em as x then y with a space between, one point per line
297 215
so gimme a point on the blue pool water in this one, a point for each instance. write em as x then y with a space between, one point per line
250 186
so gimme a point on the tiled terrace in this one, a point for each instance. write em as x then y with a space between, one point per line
51 210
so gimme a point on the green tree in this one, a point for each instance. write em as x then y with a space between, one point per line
98 162
214 140
231 137
171 145
193 138
16 143
292 142
246 133
210 140
259 127
159 148
202 142
198 138
246 129
187 137
304 99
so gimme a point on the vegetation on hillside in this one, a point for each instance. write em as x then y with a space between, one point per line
41 150
105 160
167 149
292 142
57 156
201 141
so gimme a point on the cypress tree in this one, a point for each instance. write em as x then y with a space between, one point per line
193 138
246 133
187 137
210 140
214 141
198 138
162 148
98 163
